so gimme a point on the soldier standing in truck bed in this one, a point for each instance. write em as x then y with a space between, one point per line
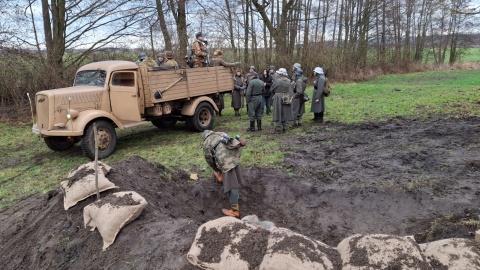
170 61
218 61
200 51
222 154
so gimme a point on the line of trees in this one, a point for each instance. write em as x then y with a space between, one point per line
344 36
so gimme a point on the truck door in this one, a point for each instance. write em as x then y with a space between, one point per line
124 96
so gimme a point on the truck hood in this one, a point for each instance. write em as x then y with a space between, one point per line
72 90
77 94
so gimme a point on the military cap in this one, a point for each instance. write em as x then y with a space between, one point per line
218 52
160 55
252 67
198 34
253 74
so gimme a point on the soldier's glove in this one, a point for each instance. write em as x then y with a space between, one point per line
205 42
218 176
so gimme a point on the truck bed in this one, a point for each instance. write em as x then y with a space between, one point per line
178 84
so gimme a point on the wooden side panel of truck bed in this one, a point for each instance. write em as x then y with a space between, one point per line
185 83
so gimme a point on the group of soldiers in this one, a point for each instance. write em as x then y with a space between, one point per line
287 95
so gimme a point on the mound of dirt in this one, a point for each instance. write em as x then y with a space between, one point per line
389 178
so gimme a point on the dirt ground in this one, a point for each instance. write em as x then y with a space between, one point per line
402 177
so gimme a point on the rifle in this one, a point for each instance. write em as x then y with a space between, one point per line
207 58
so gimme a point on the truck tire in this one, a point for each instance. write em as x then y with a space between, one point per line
107 140
203 117
166 122
61 143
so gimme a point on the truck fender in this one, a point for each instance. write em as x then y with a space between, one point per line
189 107
85 117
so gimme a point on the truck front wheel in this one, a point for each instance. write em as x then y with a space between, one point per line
107 140
60 143
202 119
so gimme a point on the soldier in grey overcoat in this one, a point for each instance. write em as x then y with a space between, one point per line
254 101
238 91
299 84
282 112
318 99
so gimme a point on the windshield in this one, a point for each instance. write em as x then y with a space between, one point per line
90 77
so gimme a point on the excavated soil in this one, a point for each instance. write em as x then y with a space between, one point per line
402 177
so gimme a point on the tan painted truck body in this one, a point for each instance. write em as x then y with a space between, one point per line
125 95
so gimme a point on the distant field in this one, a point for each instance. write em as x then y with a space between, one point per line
468 55
28 166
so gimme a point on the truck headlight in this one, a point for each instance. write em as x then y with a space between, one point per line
72 114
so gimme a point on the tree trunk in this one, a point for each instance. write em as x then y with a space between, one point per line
163 26
230 29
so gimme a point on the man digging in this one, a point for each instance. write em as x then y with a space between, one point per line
222 154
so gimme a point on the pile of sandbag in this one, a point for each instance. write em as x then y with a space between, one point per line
110 213
229 243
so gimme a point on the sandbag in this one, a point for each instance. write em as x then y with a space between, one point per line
212 247
111 213
380 251
453 254
228 243
81 183
288 250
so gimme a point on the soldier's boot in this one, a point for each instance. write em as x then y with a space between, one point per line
284 128
236 113
296 123
317 117
252 126
320 117
277 130
234 211
259 125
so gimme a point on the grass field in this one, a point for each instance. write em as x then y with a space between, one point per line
28 166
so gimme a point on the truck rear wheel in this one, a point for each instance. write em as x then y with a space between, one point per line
203 117
107 140
61 143
166 122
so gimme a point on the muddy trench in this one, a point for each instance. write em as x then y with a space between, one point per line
398 177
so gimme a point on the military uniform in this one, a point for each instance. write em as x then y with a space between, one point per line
254 102
298 103
200 52
238 93
170 63
318 109
223 155
148 62
281 107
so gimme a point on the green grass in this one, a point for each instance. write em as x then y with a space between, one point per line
410 95
28 166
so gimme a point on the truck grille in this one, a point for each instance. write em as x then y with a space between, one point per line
42 103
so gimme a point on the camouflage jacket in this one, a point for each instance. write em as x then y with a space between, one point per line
221 157
200 51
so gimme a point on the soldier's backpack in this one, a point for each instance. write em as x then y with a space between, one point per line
327 89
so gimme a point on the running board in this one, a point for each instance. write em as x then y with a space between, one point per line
134 124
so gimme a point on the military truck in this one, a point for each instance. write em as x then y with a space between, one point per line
121 94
